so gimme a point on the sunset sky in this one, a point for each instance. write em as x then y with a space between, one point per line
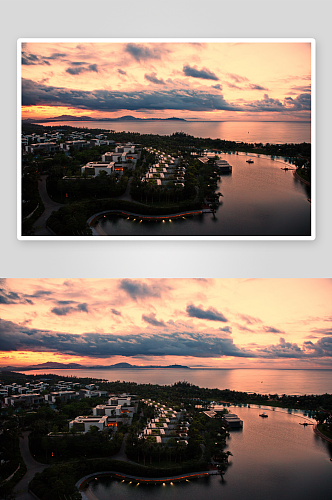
195 81
224 323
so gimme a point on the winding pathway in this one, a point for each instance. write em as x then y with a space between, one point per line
50 206
22 487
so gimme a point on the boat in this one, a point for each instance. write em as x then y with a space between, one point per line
264 415
250 161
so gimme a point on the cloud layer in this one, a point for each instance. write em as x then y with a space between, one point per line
38 94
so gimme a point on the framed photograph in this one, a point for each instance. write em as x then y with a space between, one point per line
154 139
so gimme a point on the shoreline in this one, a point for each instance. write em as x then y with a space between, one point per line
84 482
320 434
296 175
98 231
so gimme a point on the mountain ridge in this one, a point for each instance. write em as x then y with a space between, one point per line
75 366
89 118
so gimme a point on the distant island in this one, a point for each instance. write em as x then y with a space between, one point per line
75 366
127 118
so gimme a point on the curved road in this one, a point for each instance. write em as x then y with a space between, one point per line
21 489
50 206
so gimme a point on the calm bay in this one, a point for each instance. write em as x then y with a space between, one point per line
272 458
262 381
259 199
264 132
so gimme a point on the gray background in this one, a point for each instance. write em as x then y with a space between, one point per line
180 19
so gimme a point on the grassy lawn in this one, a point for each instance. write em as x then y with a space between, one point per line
323 429
303 176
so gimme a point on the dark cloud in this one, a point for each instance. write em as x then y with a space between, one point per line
204 73
322 348
283 350
34 93
40 293
67 309
80 68
324 331
302 101
210 314
122 72
217 86
62 311
301 88
226 329
57 55
83 307
266 104
144 52
32 59
153 79
271 329
140 290
78 63
75 71
252 86
151 319
9 297
117 313
15 337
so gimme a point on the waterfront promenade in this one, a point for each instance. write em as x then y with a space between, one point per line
93 220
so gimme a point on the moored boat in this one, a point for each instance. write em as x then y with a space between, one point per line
264 415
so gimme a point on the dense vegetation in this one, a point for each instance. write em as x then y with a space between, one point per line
12 463
189 393
179 141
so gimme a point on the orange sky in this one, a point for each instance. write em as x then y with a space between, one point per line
224 323
207 81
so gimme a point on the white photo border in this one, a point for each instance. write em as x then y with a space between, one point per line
311 41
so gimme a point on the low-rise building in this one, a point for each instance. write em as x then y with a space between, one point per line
93 168
63 396
83 422
24 399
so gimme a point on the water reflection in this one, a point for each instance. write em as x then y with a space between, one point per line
259 199
272 458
